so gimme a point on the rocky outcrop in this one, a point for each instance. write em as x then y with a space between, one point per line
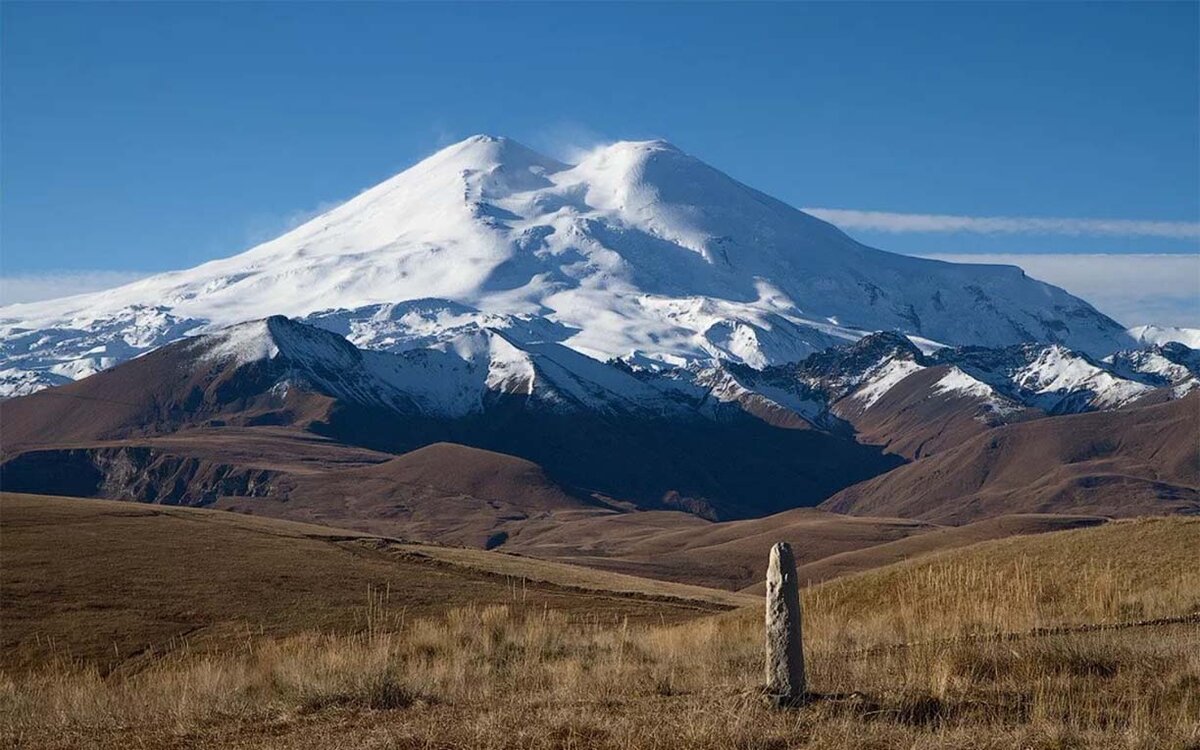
132 473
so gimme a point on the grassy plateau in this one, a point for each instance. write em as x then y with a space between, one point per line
246 633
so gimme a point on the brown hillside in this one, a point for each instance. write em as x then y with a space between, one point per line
938 540
677 547
111 582
444 492
934 653
913 420
1143 461
189 467
453 494
166 390
735 467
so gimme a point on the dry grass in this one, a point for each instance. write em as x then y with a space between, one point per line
1121 572
487 678
106 581
899 656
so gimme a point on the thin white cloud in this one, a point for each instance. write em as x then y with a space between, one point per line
31 287
1130 288
884 221
567 141
266 227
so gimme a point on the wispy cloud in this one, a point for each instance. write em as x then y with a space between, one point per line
31 287
884 221
1131 288
264 227
566 140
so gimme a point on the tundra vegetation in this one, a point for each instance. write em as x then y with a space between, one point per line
1085 638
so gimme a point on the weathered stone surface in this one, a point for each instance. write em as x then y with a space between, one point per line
785 654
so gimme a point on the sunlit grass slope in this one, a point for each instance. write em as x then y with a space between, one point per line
906 656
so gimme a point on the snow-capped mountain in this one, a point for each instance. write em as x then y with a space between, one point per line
721 438
639 252
455 377
1158 335
847 381
657 439
1170 364
467 359
1052 378
852 380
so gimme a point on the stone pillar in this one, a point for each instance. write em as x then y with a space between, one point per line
785 654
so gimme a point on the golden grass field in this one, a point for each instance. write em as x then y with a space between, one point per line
942 651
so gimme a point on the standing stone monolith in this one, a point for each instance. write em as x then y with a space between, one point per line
785 653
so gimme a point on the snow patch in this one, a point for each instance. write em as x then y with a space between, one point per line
1185 388
882 379
959 383
243 344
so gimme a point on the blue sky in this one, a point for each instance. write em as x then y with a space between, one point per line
146 137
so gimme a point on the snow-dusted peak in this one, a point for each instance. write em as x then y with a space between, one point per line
277 336
885 376
1053 377
483 153
839 370
640 251
656 187
1171 363
241 344
958 383
634 162
493 167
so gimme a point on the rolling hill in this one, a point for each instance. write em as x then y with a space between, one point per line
113 583
1129 462
141 625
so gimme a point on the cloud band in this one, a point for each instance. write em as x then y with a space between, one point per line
1132 288
32 287
883 221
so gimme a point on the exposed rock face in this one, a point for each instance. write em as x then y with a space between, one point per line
133 473
785 653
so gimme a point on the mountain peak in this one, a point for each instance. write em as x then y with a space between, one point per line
639 251
887 341
485 152
276 336
632 154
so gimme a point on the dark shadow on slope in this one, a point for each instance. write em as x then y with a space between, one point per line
739 468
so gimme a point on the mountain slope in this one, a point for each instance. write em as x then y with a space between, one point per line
933 542
724 440
1137 461
1051 378
655 441
639 251
272 371
445 493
